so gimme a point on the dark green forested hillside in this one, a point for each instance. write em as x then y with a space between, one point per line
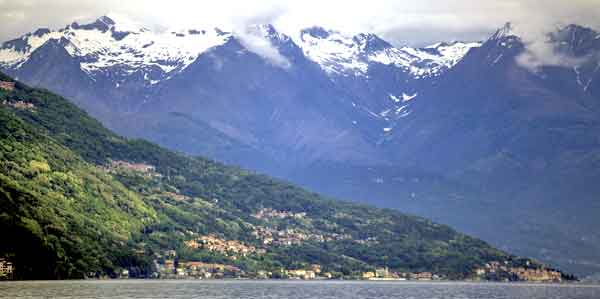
77 201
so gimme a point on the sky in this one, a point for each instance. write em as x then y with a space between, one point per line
401 22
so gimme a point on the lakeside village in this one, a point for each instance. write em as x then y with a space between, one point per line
168 265
199 270
173 269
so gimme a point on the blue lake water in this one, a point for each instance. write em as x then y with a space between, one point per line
291 289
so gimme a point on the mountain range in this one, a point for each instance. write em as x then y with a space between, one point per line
472 134
133 78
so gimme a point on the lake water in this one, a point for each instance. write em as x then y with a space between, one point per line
291 289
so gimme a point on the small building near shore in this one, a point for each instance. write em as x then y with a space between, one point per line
7 269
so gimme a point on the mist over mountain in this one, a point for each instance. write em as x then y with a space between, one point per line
497 138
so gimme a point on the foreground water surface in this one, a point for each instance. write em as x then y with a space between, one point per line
291 289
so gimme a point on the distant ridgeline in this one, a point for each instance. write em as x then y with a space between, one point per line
78 201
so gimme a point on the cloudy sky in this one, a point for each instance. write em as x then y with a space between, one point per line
401 22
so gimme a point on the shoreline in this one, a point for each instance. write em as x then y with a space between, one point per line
319 281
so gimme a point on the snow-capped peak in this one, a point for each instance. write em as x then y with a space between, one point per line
451 53
370 42
122 23
119 25
351 55
505 37
335 52
267 42
267 32
315 31
505 31
116 41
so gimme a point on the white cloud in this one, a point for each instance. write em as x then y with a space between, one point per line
257 43
400 21
550 16
540 52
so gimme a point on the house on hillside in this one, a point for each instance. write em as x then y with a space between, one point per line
301 274
7 85
19 104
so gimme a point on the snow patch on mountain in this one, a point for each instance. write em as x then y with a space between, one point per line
508 30
451 53
334 52
15 52
122 23
406 98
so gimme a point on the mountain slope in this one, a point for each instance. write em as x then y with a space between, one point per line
174 87
66 180
61 217
500 146
532 145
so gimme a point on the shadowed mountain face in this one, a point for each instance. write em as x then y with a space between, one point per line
480 136
277 111
504 151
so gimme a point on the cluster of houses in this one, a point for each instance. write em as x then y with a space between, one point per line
537 275
176 196
19 104
288 237
9 86
519 273
267 214
368 241
7 269
171 269
230 248
386 274
312 272
270 236
138 167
